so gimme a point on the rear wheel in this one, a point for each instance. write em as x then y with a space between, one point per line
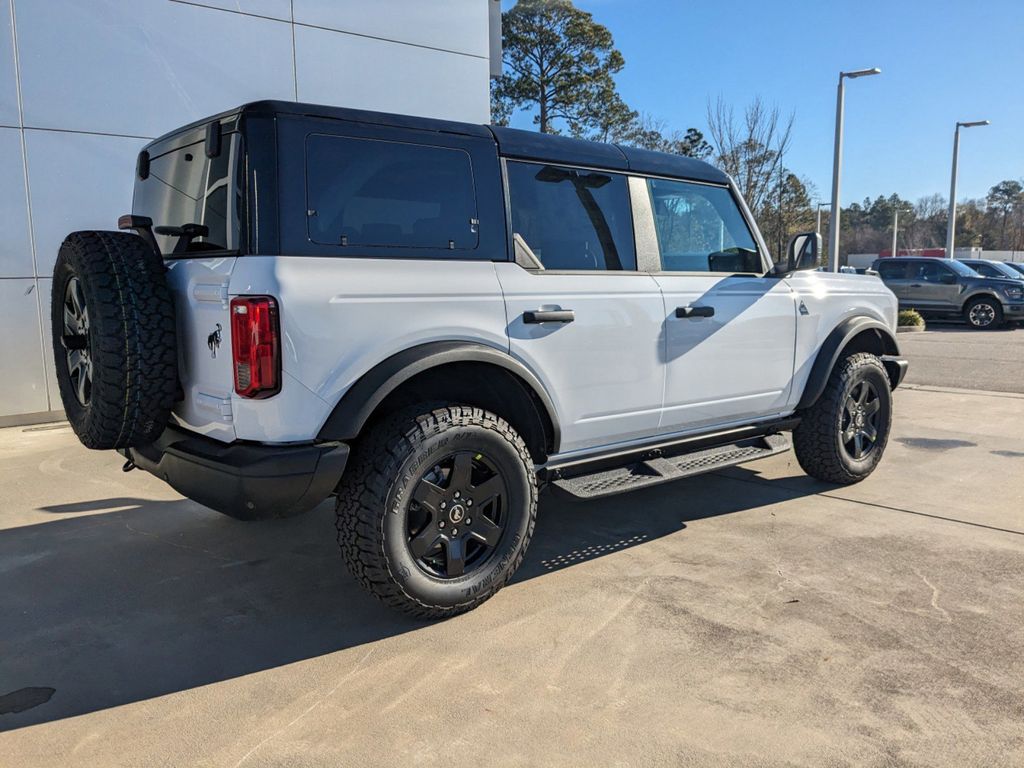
983 312
841 438
436 509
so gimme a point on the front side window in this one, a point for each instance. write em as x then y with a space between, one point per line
571 219
930 272
700 229
184 186
368 192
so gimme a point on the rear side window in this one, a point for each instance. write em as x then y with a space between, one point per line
389 194
568 218
892 270
700 229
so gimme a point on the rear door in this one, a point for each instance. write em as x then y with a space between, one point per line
579 314
729 331
894 275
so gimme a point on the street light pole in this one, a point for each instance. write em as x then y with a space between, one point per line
837 166
895 228
951 226
817 227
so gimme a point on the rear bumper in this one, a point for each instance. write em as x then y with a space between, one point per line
245 481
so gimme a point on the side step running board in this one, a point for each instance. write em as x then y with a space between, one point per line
642 474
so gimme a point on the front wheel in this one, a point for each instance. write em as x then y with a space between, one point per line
436 509
841 438
983 313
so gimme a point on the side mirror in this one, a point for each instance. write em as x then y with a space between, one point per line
804 252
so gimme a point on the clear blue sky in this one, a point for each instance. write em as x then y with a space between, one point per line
941 61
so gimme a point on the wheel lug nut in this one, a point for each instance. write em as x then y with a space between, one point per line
457 494
469 502
469 521
455 531
440 524
444 504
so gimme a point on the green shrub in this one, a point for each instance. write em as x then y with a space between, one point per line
909 317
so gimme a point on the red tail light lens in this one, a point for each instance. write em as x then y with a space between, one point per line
256 346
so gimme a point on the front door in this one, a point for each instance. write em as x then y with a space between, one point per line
932 285
729 332
579 314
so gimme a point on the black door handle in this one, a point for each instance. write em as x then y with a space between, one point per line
695 311
549 316
916 285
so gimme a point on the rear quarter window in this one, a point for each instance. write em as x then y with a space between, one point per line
389 194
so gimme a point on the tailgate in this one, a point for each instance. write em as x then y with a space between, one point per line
201 303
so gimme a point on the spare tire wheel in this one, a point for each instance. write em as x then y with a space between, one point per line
113 339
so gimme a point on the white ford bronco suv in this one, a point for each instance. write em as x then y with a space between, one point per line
430 320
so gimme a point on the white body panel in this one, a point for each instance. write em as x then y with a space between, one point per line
737 364
201 304
624 371
830 299
602 371
340 317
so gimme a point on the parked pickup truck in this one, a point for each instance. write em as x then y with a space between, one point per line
950 288
430 320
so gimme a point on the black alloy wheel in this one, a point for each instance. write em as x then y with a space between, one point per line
457 515
75 340
860 420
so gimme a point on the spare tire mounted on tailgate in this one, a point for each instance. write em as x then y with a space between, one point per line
113 339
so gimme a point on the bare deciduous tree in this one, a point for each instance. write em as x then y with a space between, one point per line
751 149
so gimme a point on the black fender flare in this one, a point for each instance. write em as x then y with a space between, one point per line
832 349
357 404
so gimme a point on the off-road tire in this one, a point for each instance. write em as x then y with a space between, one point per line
130 339
996 313
817 440
375 492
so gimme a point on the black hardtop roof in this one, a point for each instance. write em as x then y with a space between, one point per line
512 142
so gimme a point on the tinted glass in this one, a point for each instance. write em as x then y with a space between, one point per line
960 268
571 219
986 270
700 229
367 192
930 272
1018 268
187 187
892 270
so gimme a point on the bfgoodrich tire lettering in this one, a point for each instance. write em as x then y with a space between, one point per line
111 307
841 438
377 499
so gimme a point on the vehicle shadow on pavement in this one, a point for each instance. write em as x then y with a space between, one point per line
145 598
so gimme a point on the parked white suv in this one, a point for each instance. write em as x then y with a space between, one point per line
429 320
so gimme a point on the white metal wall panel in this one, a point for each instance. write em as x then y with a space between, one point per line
273 9
361 72
78 181
451 25
15 248
8 82
21 362
145 67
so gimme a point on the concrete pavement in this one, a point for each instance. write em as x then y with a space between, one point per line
948 355
751 617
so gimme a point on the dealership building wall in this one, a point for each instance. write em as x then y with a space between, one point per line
84 84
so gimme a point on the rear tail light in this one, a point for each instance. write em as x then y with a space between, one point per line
256 346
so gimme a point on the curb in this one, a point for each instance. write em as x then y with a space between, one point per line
909 328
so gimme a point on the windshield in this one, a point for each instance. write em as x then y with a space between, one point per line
185 186
961 269
1018 268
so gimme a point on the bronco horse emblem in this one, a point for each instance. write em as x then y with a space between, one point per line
213 340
